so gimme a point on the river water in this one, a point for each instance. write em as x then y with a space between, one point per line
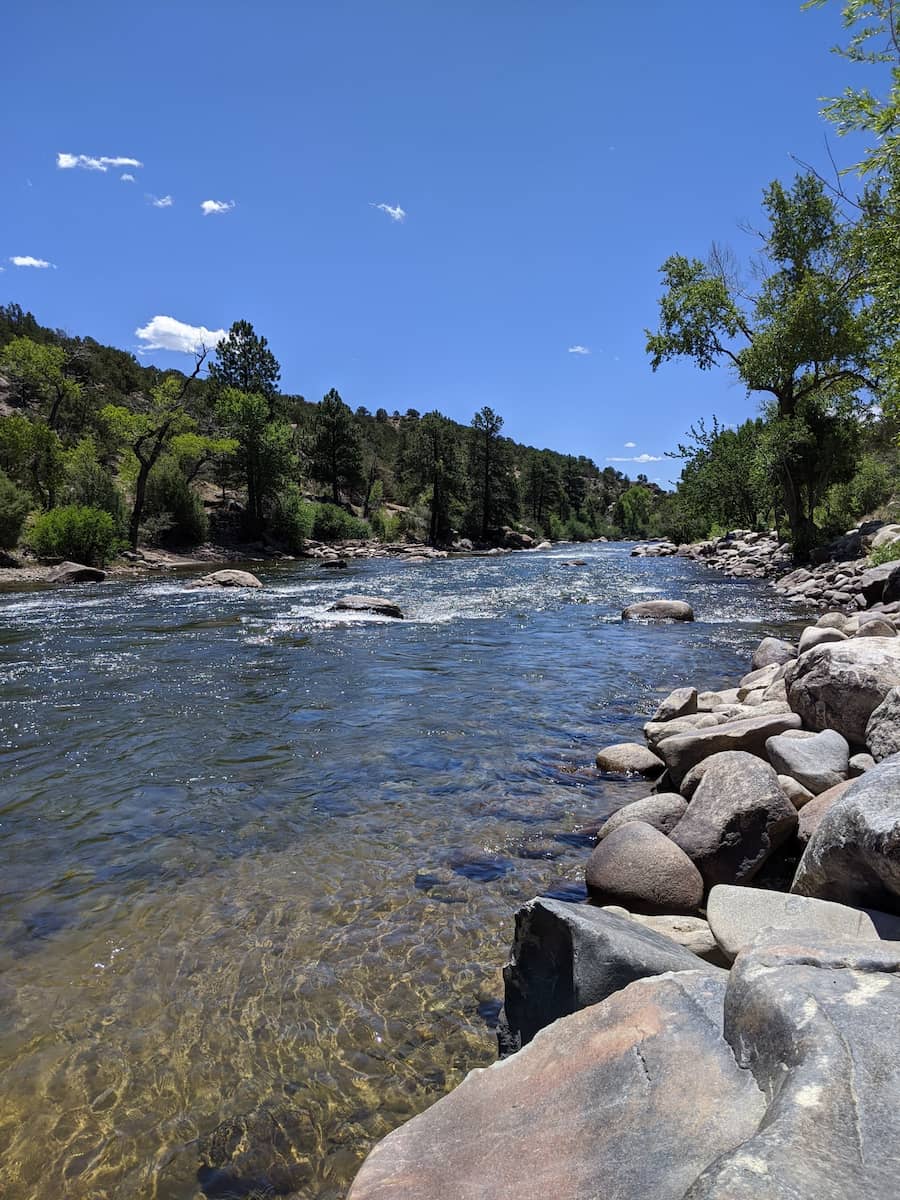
258 861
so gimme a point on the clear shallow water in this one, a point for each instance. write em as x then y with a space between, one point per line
259 861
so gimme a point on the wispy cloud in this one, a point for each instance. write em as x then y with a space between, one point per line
165 333
216 206
639 458
127 178
579 349
630 445
88 162
395 212
161 201
27 260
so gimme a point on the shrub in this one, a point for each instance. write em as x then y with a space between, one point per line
291 519
889 553
578 531
85 535
385 527
91 485
172 512
333 524
15 504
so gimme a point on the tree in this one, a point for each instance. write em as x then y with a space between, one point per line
633 510
15 504
335 454
543 487
265 452
490 471
723 480
244 361
802 338
436 468
39 377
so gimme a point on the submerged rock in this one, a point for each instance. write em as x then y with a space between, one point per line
372 604
629 758
658 610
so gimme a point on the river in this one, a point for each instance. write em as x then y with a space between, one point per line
259 860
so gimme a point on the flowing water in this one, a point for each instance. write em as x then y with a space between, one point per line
258 861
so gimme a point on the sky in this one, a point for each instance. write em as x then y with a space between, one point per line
421 203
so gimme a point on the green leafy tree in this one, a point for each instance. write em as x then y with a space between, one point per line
15 505
335 452
38 374
265 451
89 484
723 481
84 535
245 362
634 509
194 451
801 339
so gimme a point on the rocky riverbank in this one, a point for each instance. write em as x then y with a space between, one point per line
717 1021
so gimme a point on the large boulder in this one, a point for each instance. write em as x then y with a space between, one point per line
627 1100
368 604
227 579
811 814
658 610
872 582
750 734
815 1020
641 869
70 572
891 591
819 762
656 731
629 758
692 933
737 915
839 686
663 812
814 636
883 727
680 703
854 855
567 956
737 818
772 650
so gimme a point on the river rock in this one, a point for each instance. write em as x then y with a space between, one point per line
883 727
629 758
680 703
658 610
370 604
812 636
815 1020
818 763
70 572
872 583
737 915
854 855
859 764
795 792
736 819
655 731
570 1116
567 956
692 933
772 650
891 591
227 579
641 869
663 812
839 686
749 735
877 627
811 814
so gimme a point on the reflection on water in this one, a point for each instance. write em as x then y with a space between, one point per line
260 860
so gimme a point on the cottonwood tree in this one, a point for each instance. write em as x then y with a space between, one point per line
38 375
801 338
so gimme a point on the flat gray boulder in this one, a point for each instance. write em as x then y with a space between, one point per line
750 734
736 819
566 956
368 604
658 610
772 650
629 758
818 763
680 703
627 1100
662 811
70 572
692 933
883 727
854 855
226 579
737 916
814 636
839 686
641 869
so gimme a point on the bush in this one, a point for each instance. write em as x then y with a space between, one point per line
385 527
90 484
173 514
291 519
889 553
85 535
15 504
333 524
578 531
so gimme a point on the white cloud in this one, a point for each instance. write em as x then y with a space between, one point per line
161 201
395 213
26 260
639 458
88 162
630 445
127 178
579 349
216 206
165 333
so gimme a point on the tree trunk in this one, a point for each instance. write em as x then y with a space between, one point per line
137 512
802 527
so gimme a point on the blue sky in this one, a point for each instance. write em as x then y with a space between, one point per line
546 157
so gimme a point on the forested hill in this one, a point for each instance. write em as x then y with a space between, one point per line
160 453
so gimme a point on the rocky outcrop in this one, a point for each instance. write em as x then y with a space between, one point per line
641 869
368 604
70 572
226 579
658 610
566 957
839 686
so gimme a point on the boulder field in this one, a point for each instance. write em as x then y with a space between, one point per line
718 1021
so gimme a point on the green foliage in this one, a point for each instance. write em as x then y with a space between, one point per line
265 448
245 362
335 451
76 532
292 518
15 505
385 527
495 500
723 480
889 553
173 514
39 377
334 524
633 511
870 487
89 484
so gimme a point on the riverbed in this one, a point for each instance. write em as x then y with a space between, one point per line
260 860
